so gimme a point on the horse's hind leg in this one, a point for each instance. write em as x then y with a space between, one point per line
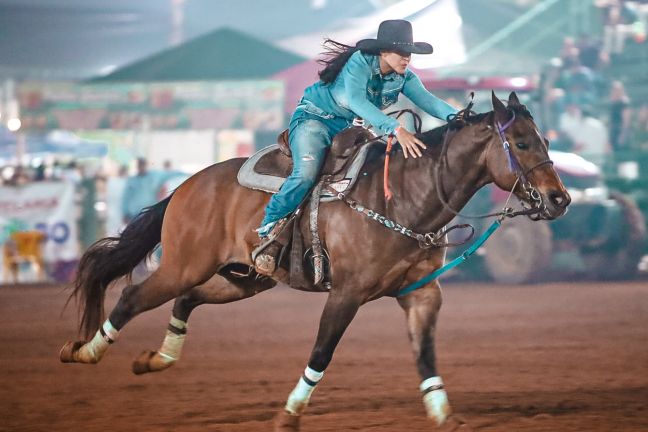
217 290
159 288
336 317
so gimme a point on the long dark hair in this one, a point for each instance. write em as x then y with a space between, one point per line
336 54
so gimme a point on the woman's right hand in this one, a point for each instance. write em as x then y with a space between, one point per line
410 144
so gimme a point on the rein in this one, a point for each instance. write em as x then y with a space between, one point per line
426 240
521 175
433 239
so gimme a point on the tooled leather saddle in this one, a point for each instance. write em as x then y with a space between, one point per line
268 168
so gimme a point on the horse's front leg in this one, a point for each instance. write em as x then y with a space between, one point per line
336 317
421 310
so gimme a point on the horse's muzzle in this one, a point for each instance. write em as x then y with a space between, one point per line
555 204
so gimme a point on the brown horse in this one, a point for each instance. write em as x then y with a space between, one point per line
206 230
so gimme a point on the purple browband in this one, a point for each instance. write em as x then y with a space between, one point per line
514 166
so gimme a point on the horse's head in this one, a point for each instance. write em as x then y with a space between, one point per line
518 158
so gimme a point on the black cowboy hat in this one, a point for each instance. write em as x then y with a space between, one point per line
395 35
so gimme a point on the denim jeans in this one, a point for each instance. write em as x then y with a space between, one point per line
310 136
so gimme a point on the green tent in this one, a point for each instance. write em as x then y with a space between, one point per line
224 54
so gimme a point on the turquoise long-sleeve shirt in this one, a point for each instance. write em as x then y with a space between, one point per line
360 90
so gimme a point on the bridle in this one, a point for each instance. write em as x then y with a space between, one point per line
532 194
536 211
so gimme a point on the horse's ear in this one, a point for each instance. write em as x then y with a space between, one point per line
501 114
513 100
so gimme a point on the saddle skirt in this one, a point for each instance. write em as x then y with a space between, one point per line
268 168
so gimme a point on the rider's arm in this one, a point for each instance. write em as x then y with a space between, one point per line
417 93
357 72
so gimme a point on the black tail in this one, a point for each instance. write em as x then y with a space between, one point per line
111 258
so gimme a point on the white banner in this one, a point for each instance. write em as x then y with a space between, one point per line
43 206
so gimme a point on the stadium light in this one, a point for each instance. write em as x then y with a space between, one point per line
13 124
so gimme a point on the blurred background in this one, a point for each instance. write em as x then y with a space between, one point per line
107 106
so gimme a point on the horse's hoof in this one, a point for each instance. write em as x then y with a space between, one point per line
150 361
286 422
454 424
67 352
141 364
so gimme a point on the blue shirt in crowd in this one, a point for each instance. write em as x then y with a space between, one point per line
140 191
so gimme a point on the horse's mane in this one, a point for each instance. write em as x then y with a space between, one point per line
435 136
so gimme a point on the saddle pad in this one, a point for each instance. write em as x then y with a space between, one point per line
254 174
251 179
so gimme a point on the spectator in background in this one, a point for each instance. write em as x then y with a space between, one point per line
596 60
620 117
140 191
39 173
87 192
641 129
57 170
551 98
578 82
587 133
114 197
71 173
590 53
569 50
167 165
19 177
618 24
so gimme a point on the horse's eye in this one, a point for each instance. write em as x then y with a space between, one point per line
522 146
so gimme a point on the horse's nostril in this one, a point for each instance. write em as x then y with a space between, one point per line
559 199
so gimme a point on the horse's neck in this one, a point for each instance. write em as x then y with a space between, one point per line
461 175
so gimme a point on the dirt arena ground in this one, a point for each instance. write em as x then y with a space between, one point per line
554 357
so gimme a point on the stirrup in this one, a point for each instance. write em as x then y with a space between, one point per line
264 255
265 264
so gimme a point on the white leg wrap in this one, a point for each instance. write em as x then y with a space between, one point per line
97 347
299 397
172 345
435 399
179 324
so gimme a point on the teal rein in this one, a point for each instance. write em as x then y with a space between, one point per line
454 263
513 166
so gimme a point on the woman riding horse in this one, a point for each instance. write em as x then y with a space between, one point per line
206 229
357 81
